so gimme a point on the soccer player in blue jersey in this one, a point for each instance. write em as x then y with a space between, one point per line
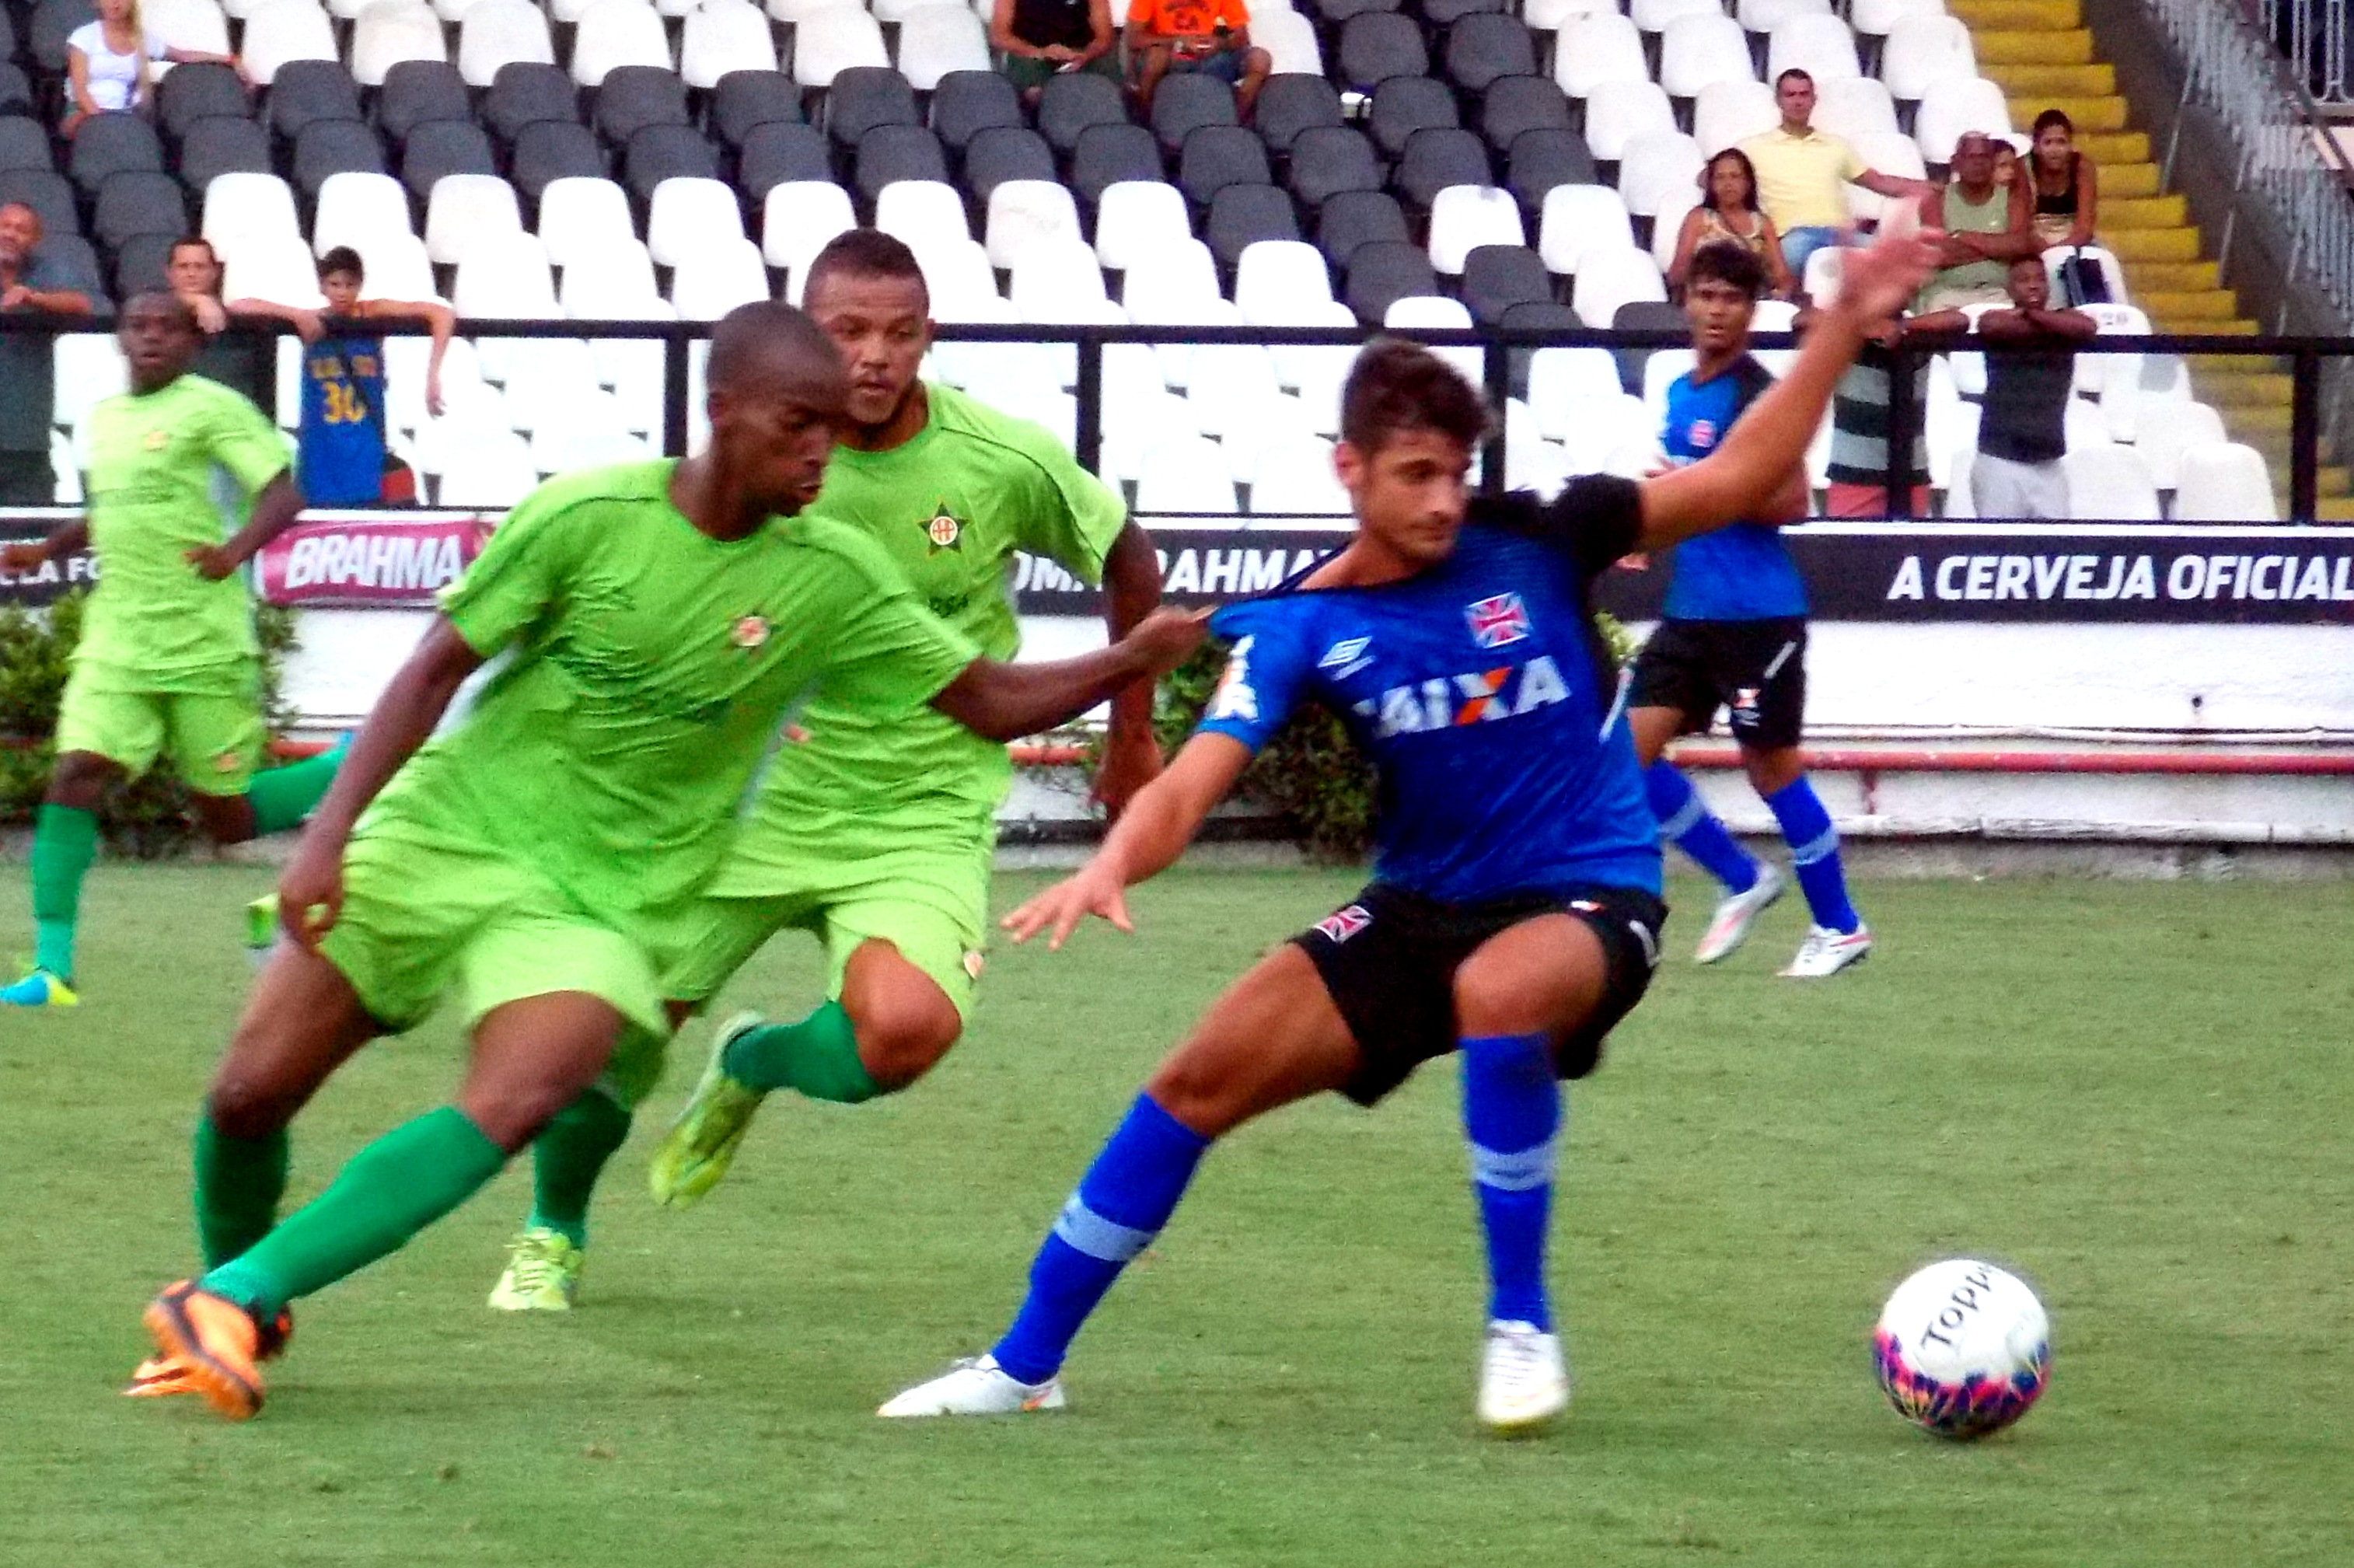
1514 913
1735 636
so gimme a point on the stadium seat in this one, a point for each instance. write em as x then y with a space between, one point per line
923 213
690 213
723 37
328 147
1618 112
196 26
139 264
1183 104
1924 49
543 377
1022 213
1332 13
243 206
440 148
799 218
16 88
353 206
1057 280
134 202
1183 474
548 150
937 40
1136 217
777 153
1328 160
2186 425
832 41
1697 51
1543 159
308 92
107 145
1277 421
491 468
967 102
1725 113
1107 156
1559 378
1658 169
278 269
1485 47
504 277
616 33
48 194
1291 104
1241 216
1002 154
1954 105
863 96
2110 483
2221 482
526 93
1876 18
1552 16
1290 42
962 283
280 31
1435 160
591 430
397 267
1463 217
1514 104
1183 273
1229 386
391 32
1215 157
1597 47
659 153
1853 108
1382 272
716 278
50 23
634 97
1608 280
1498 277
1072 102
1765 15
192 93
1355 219
1294 477
1444 14
462 207
580 217
1377 47
746 98
1273 278
617 281
420 92
23 145
891 153
498 34
1405 104
1818 44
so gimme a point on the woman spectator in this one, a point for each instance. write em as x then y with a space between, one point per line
106 61
2066 186
1729 212
2006 163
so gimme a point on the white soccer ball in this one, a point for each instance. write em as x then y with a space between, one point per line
1963 1349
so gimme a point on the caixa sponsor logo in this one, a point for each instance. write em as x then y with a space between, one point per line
1476 697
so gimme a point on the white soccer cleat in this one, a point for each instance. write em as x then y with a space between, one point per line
1825 952
975 1387
1736 912
1524 1382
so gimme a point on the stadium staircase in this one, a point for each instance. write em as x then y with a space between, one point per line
2043 57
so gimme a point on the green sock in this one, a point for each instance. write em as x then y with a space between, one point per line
238 1183
65 841
567 1159
818 1056
392 1190
282 797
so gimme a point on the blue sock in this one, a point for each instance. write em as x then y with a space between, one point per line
1125 1197
1814 853
1512 1111
1696 832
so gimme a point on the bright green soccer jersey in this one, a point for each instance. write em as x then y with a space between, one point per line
951 507
172 471
641 672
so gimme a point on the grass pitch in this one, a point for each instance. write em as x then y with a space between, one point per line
2138 1095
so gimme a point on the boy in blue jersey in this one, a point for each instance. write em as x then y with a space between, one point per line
1736 635
1514 913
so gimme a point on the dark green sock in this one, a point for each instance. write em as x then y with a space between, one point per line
238 1183
392 1190
65 841
818 1056
282 797
568 1157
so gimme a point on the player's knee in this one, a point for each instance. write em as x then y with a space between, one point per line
901 1040
244 1105
1199 1089
512 1114
78 779
1771 769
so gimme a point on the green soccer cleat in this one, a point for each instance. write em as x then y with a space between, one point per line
543 1272
261 928
702 1143
38 989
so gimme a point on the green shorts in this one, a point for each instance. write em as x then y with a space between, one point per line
929 902
420 918
1028 73
212 739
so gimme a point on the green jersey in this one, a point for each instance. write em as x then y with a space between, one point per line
643 669
172 471
951 507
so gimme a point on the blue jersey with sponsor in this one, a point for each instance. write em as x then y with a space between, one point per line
340 445
1481 694
1742 571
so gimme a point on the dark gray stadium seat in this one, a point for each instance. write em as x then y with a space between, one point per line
892 152
1543 159
745 99
1183 104
1436 159
1498 277
1291 103
72 255
1382 272
1004 153
334 147
306 92
1242 215
16 89
53 21
1642 315
192 93
139 264
1107 154
526 93
1446 13
1487 47
7 33
1405 104
631 98
1331 159
659 152
1516 104
46 192
110 143
865 96
222 144
776 153
1354 219
138 201
1217 156
23 143
1074 100
550 150
967 102
439 148
1377 47
419 92
1332 13
1545 317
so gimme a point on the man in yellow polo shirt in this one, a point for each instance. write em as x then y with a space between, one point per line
1801 173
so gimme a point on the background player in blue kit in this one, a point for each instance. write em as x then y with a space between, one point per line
1515 912
1735 636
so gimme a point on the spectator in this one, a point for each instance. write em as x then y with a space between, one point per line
2067 188
1986 226
1801 171
1729 214
238 358
30 281
1212 36
1861 480
2006 163
106 61
1038 39
2023 433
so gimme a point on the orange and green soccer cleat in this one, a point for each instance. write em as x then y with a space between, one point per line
216 1343
160 1377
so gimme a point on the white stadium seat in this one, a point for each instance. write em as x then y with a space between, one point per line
579 215
717 276
1289 40
1668 224
506 278
1579 220
1275 278
1463 217
1595 48
2113 272
1875 18
1726 113
498 32
1698 49
921 213
1618 112
354 205
959 279
1229 384
1924 49
1552 16
2109 483
1854 107
616 277
488 469
937 40
1954 106
799 217
1658 15
1612 279
2221 482
391 31
689 213
279 269
1559 377
2186 425
542 375
1181 273
282 30
1023 213
617 33
1818 44
1295 477
397 267
1890 153
1053 275
242 208
197 26
1765 15
463 206
1657 168
1136 216
830 41
725 35
1181 473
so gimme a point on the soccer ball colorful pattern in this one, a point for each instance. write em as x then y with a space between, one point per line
1963 1349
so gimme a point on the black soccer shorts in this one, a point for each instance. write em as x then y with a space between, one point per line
1388 960
1756 670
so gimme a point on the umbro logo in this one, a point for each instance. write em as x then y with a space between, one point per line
1346 657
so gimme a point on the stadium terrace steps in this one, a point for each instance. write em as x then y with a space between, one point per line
2044 79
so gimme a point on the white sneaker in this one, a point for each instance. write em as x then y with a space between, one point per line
975 1387
1729 926
1825 952
1524 1382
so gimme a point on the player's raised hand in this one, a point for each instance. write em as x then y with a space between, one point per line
1059 909
310 889
1880 280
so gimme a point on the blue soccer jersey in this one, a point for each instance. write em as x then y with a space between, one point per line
339 446
1480 692
1743 571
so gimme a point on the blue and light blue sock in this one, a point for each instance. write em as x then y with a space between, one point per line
1695 829
1511 1115
1125 1197
1814 853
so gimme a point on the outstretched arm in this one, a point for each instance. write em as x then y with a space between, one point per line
31 555
1159 824
1006 702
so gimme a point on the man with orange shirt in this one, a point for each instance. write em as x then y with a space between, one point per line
1211 36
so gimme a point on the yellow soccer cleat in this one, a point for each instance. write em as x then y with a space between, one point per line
543 1272
39 989
702 1143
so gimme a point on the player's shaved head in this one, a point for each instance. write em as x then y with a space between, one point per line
767 349
864 253
777 393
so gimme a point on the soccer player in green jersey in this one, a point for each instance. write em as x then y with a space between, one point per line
542 853
875 836
168 665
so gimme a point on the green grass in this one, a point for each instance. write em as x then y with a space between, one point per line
2139 1095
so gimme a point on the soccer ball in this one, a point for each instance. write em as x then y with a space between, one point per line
1963 1349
